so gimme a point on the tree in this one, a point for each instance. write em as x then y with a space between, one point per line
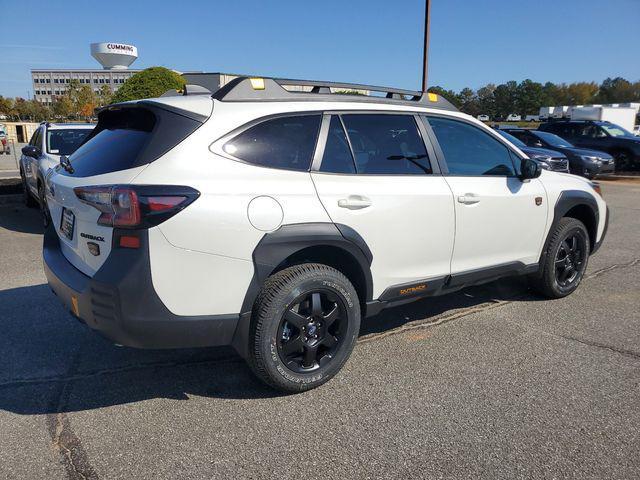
528 97
581 93
62 107
6 105
505 96
469 102
486 100
616 90
151 82
104 95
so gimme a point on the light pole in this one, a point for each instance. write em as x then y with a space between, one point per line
425 58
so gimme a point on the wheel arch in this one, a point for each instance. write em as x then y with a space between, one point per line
335 245
338 246
577 204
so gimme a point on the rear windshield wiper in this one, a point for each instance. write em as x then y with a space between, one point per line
66 164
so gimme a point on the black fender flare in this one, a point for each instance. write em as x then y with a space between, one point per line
277 246
567 200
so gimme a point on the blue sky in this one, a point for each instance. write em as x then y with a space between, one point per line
473 42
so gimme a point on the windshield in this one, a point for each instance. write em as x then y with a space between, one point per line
552 139
518 143
615 130
65 142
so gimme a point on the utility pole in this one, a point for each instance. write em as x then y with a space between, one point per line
425 59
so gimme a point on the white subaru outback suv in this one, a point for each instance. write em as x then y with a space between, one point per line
275 220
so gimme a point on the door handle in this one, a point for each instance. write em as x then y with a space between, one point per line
354 202
469 198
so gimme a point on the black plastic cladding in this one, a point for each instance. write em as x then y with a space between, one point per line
568 200
275 247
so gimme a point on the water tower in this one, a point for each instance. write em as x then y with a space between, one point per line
114 56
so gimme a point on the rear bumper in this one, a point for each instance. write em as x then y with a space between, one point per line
119 301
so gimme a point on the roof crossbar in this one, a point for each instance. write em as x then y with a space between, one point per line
252 89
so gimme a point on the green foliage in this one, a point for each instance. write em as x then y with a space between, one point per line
151 82
526 97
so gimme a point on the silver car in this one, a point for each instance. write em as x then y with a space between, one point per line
48 144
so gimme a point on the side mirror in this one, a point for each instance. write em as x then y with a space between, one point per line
529 169
31 151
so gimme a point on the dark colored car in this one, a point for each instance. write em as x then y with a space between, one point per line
548 159
608 137
587 163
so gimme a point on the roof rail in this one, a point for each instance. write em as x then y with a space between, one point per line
251 89
187 90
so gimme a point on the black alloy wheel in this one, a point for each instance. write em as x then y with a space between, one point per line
570 259
564 261
311 331
304 325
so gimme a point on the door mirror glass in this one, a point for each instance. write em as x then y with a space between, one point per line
31 151
529 169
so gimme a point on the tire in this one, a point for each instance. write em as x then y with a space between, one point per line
565 261
624 161
44 209
27 199
294 305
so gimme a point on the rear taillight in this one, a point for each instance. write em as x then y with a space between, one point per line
141 206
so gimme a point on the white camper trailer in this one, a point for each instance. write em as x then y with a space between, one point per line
624 117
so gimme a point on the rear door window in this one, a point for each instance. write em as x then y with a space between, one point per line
469 151
283 142
386 144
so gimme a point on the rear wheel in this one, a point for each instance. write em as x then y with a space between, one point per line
565 261
304 327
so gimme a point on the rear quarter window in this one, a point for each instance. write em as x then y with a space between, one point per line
283 142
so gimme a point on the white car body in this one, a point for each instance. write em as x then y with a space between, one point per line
204 260
483 118
513 117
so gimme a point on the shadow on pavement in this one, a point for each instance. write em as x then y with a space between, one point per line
52 363
18 218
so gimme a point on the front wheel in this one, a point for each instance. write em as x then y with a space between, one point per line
44 208
27 199
304 326
565 261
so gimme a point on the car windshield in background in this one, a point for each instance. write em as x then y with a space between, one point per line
517 142
552 139
65 142
616 130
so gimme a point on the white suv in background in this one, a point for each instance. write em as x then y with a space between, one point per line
275 220
48 144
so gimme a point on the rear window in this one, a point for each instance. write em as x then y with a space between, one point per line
284 142
129 137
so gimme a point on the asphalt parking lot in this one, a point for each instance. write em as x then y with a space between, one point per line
491 382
